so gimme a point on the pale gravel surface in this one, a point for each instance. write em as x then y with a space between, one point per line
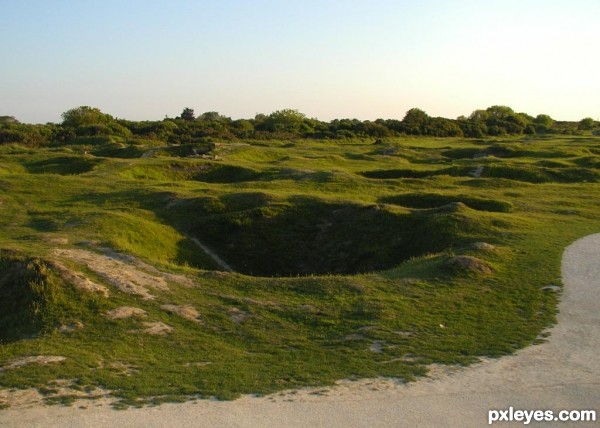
563 373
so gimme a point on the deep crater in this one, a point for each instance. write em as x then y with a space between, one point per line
258 235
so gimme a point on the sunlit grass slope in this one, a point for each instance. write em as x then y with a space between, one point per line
350 259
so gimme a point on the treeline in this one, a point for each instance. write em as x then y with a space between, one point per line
84 123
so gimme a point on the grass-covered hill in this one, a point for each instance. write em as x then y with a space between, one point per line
158 272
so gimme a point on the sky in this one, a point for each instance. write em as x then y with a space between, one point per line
365 59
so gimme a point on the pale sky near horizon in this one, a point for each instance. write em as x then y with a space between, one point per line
147 59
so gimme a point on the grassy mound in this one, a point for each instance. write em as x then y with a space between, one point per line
532 174
436 200
385 174
527 173
33 298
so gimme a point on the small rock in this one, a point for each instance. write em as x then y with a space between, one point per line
58 240
402 333
477 172
157 328
354 336
376 347
484 246
125 312
188 312
66 328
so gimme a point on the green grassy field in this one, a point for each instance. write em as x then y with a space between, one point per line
350 259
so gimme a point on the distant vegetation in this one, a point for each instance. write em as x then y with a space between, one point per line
86 123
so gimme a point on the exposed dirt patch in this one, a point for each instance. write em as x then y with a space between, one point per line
377 347
180 279
119 271
72 326
123 369
237 315
52 393
157 328
354 336
188 312
38 359
477 172
198 364
125 312
57 240
469 264
437 200
79 280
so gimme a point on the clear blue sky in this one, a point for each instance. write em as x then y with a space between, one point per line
329 58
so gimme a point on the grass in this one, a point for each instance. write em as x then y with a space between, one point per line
336 246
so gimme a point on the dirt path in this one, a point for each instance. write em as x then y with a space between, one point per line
563 373
477 172
218 260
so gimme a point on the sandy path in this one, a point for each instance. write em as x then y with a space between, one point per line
563 373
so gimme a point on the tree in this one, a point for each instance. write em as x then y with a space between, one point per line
503 120
500 112
375 129
29 135
286 120
415 121
586 124
85 115
213 116
543 123
88 121
442 127
470 127
7 120
188 114
479 116
544 120
243 128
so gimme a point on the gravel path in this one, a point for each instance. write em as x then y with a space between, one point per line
563 373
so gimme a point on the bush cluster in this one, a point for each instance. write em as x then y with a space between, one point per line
89 122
